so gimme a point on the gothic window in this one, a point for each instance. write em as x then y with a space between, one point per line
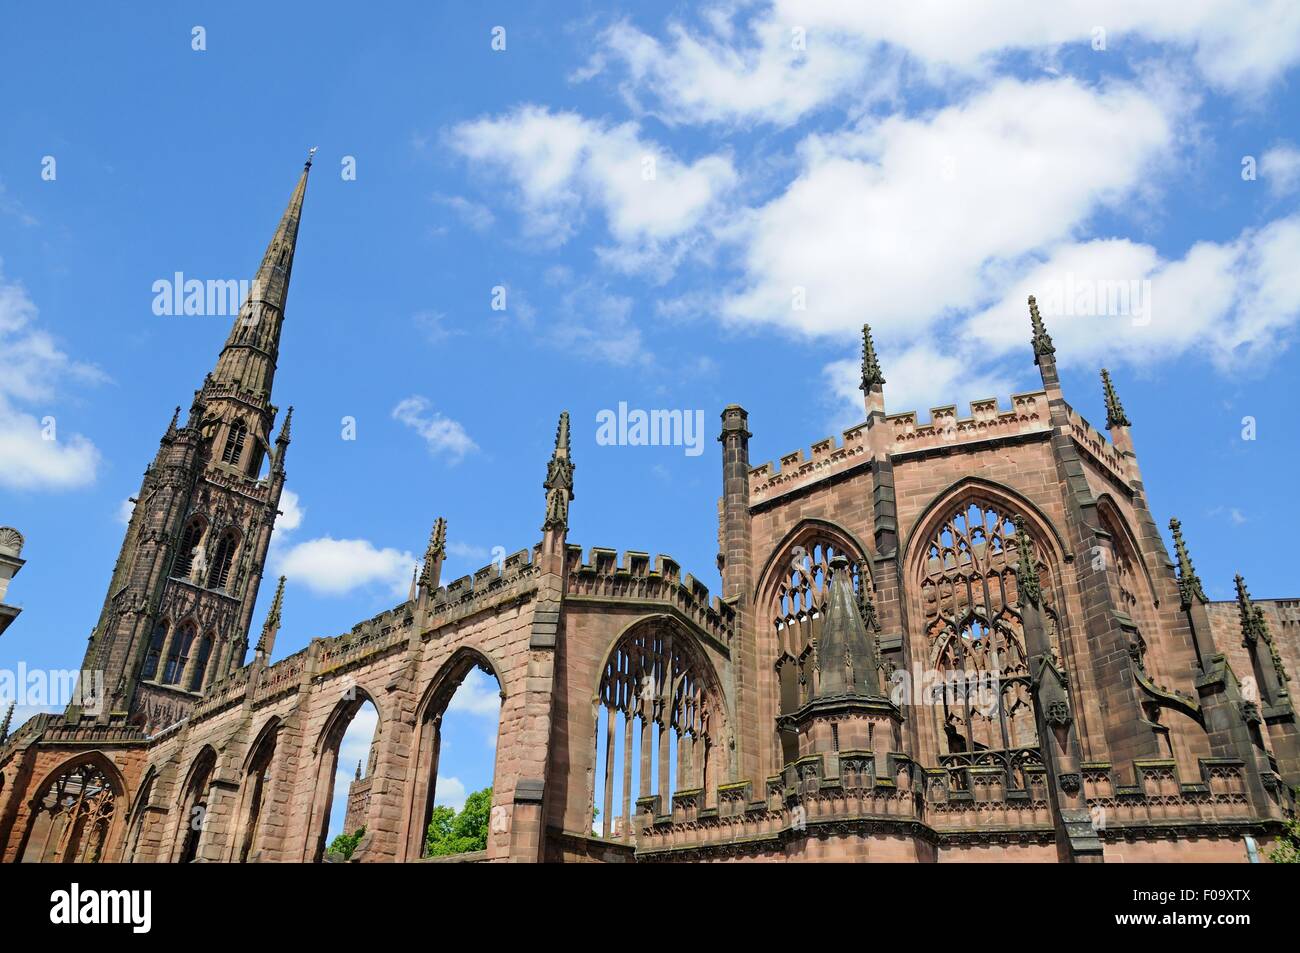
190 539
219 568
256 784
154 652
71 819
234 449
201 664
981 697
796 616
656 723
178 654
194 805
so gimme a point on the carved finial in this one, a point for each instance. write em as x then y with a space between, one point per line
1189 584
559 479
871 373
272 624
1251 617
171 427
1041 340
358 769
4 725
284 428
434 554
1115 416
866 607
1027 581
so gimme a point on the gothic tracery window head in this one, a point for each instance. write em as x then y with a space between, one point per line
222 558
658 715
233 450
72 817
974 641
190 539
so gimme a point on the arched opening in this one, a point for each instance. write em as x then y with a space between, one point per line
657 716
455 771
233 451
193 814
153 655
73 814
195 682
797 595
256 788
185 553
222 558
135 829
982 701
178 653
351 733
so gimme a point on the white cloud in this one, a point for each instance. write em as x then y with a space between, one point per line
335 567
442 434
467 551
35 454
477 695
291 511
912 218
449 792
561 163
124 511
1280 168
476 216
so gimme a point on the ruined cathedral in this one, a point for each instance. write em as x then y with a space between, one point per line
955 640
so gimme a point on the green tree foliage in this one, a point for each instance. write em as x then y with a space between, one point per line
345 845
1287 848
452 833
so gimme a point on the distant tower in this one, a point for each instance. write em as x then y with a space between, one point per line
181 598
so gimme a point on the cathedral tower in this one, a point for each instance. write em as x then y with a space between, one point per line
178 609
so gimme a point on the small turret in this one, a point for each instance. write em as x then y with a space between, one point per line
559 482
266 642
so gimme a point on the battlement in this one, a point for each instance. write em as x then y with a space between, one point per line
1028 413
484 582
1098 446
631 576
827 457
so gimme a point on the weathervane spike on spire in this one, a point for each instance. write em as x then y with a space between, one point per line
1189 584
871 373
1115 416
1042 341
311 154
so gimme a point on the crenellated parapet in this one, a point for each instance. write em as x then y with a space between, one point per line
1098 448
828 458
1028 414
631 577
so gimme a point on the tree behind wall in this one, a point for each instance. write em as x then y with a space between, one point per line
457 833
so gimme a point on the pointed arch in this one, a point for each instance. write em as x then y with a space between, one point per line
136 822
255 786
658 685
326 758
76 812
192 814
222 558
191 537
429 713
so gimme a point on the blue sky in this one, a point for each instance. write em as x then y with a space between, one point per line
649 185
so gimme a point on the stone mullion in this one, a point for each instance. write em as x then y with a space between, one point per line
627 773
606 822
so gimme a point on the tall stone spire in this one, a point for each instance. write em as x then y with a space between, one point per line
247 362
282 441
559 480
266 642
846 651
1041 340
1189 584
1115 416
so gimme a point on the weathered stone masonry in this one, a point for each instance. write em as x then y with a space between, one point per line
955 640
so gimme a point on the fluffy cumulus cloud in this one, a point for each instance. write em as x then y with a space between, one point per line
443 436
1279 167
336 567
37 452
777 62
911 217
560 163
